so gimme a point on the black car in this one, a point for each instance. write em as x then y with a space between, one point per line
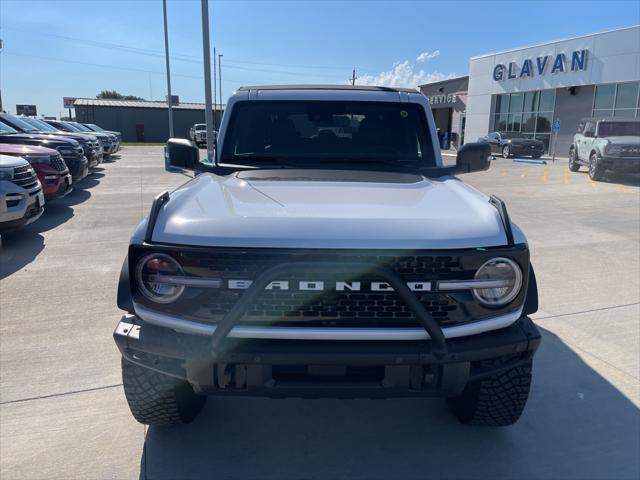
96 128
89 143
513 144
106 139
70 150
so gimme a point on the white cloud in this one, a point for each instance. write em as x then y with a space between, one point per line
425 56
403 74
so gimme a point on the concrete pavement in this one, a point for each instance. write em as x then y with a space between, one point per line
63 413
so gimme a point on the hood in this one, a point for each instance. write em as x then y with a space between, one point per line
79 137
624 140
11 161
49 141
18 149
305 213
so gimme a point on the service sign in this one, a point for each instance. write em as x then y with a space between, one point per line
536 67
68 101
28 110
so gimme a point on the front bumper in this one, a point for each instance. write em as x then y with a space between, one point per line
19 210
621 164
284 368
524 150
57 187
78 167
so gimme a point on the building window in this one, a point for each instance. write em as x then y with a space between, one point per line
617 100
530 113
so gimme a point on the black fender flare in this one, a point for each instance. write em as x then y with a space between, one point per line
125 300
531 300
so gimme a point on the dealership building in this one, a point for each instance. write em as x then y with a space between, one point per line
142 121
528 90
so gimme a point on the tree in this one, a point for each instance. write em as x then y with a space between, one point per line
113 95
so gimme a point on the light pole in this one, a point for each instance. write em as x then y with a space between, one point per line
220 77
206 54
215 100
166 59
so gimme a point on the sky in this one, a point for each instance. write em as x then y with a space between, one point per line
78 48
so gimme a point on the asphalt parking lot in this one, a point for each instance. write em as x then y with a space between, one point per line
63 412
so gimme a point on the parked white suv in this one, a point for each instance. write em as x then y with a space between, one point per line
198 134
21 198
327 252
606 144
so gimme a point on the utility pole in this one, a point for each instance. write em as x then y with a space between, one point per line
353 77
166 59
206 54
215 87
220 77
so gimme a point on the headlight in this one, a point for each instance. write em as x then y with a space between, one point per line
66 150
33 159
613 150
505 278
6 173
154 273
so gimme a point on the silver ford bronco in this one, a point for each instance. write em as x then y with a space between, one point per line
327 252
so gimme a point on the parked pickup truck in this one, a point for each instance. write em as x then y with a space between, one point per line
606 144
49 166
21 199
198 134
327 251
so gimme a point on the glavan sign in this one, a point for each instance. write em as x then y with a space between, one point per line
540 66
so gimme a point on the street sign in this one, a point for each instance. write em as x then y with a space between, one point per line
28 110
68 101
556 125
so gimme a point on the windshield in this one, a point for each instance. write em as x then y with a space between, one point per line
68 127
328 133
80 127
201 127
39 124
18 123
619 129
6 129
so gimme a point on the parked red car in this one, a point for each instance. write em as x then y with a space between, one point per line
48 164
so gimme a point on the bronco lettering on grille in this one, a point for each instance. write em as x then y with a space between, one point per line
305 285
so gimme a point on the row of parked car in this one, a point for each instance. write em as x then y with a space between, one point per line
41 160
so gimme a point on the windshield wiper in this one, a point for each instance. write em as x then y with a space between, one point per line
266 161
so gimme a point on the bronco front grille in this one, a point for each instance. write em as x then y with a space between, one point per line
328 305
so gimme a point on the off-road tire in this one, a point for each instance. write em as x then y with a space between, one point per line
574 166
159 400
506 151
596 172
495 401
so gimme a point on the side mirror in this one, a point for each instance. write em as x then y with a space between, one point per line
473 157
181 153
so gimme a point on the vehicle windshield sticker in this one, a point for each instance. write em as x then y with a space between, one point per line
404 113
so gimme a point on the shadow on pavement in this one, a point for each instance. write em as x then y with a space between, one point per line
627 179
576 425
21 247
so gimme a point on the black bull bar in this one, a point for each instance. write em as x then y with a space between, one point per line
353 270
